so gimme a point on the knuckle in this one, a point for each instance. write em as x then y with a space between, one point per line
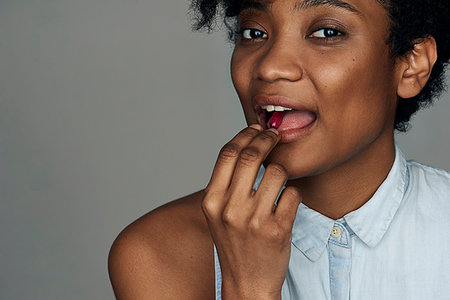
229 151
210 207
268 136
275 234
281 234
228 216
255 224
210 204
276 170
249 132
250 154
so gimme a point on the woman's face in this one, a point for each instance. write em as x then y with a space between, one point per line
329 62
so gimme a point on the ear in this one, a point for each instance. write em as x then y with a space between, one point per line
415 68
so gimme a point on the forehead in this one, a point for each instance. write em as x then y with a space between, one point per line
298 4
360 7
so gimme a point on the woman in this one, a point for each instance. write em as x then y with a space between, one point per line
323 85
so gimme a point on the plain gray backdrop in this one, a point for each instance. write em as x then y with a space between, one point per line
108 109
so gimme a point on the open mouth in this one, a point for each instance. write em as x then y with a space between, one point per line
284 118
274 115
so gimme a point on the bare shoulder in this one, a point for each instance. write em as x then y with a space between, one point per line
166 254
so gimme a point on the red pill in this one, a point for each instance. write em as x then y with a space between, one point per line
275 120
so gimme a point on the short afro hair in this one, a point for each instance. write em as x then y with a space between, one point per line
411 21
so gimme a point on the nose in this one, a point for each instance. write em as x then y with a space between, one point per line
279 62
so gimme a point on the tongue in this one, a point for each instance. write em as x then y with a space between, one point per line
293 119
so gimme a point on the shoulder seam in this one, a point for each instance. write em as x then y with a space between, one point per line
428 168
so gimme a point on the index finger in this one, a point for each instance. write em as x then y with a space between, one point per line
250 160
228 156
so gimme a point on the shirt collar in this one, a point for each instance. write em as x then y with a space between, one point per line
311 231
370 222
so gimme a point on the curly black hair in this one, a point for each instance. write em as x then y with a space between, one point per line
410 22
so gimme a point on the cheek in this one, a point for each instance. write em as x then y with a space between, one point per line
238 73
355 85
241 74
357 99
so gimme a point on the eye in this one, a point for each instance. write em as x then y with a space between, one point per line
326 33
252 33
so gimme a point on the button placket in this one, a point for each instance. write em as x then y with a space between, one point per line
339 256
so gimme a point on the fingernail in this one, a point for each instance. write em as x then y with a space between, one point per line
256 126
274 131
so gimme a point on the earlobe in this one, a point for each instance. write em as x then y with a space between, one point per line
415 68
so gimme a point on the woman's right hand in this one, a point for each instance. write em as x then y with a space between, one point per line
251 234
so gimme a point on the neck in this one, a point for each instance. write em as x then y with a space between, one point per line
350 185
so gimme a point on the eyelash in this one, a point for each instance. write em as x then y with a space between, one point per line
248 31
242 32
326 30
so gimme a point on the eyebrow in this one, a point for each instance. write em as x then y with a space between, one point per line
263 5
305 4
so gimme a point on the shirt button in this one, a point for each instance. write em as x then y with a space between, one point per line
336 232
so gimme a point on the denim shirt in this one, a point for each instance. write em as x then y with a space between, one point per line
396 246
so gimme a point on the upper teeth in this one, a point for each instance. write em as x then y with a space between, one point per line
275 108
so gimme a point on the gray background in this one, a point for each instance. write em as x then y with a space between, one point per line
109 108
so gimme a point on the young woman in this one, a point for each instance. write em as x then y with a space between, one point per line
337 212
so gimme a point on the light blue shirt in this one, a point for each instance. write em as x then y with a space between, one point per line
396 246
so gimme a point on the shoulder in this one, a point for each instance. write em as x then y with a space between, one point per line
428 193
430 179
166 254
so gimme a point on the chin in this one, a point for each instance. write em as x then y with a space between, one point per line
294 167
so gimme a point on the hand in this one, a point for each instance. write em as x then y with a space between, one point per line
251 234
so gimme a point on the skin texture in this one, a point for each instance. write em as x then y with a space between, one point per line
319 74
334 166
